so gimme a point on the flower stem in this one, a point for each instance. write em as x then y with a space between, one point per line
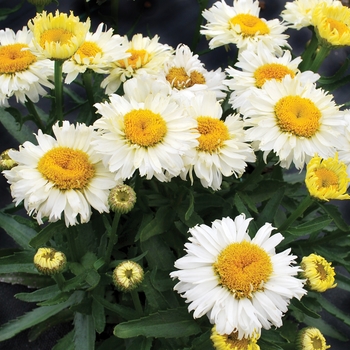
59 279
72 246
309 52
136 301
87 80
33 112
304 204
58 90
112 236
321 53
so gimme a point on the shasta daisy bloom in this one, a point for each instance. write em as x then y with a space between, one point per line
318 272
61 176
22 74
231 341
221 150
58 36
240 283
149 136
186 75
241 25
327 178
298 13
311 338
295 120
332 24
253 69
97 53
146 56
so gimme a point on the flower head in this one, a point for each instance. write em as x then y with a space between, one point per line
60 175
6 162
128 275
58 36
310 338
318 272
241 25
49 261
221 149
97 53
231 341
146 55
332 23
240 283
327 178
295 120
22 74
121 199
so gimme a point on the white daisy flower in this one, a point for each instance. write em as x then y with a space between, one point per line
146 56
240 283
298 13
22 74
240 25
222 150
294 120
149 136
61 175
344 151
97 53
253 69
187 76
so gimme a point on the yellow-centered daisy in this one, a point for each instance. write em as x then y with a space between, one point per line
60 177
58 36
22 74
240 283
327 179
318 272
241 25
295 120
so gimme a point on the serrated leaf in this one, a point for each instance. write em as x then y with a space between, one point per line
32 318
57 299
84 332
333 310
314 225
46 234
39 295
171 323
337 217
18 262
27 279
98 315
190 209
65 343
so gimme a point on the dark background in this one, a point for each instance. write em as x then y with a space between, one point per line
175 22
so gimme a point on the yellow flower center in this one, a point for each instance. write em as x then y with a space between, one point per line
316 343
179 79
243 268
137 59
340 27
144 128
88 49
55 35
297 115
271 71
15 58
213 134
321 270
235 343
66 168
326 178
250 25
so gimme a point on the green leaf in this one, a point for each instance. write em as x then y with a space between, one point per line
40 314
337 217
343 282
40 294
171 323
27 279
20 233
190 209
314 225
297 304
140 343
46 234
65 343
98 311
18 262
333 310
84 332
57 299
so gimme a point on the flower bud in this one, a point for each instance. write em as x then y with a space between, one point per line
310 338
122 199
318 272
6 162
49 261
127 276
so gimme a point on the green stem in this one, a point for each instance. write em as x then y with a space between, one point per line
321 53
72 246
87 80
59 279
112 236
33 112
306 202
59 90
136 301
114 13
309 52
202 5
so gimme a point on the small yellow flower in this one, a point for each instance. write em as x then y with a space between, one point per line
122 199
310 338
327 178
58 36
127 276
6 162
231 341
49 261
318 272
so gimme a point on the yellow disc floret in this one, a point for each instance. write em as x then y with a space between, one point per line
137 59
250 25
271 71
